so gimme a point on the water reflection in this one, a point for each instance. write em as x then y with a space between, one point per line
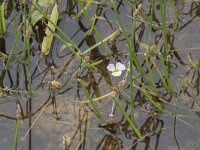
150 128
110 142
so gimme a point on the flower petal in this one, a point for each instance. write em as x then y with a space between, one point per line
111 67
120 66
117 74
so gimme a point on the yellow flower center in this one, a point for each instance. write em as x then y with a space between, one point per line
116 70
55 83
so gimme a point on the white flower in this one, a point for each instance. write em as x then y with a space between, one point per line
116 71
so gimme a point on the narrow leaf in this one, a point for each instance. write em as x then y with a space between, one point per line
46 43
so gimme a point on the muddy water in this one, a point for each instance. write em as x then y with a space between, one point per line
60 119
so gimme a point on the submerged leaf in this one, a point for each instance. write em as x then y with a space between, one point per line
192 62
36 16
46 43
44 3
65 46
153 48
115 36
3 55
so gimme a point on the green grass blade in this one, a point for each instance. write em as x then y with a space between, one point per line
131 122
135 58
156 104
16 135
169 84
97 111
98 44
2 19
17 38
95 30
88 3
163 18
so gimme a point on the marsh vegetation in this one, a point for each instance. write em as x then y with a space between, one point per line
99 74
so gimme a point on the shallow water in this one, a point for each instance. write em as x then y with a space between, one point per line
61 116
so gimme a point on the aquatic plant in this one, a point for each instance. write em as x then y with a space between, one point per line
105 64
116 70
2 19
